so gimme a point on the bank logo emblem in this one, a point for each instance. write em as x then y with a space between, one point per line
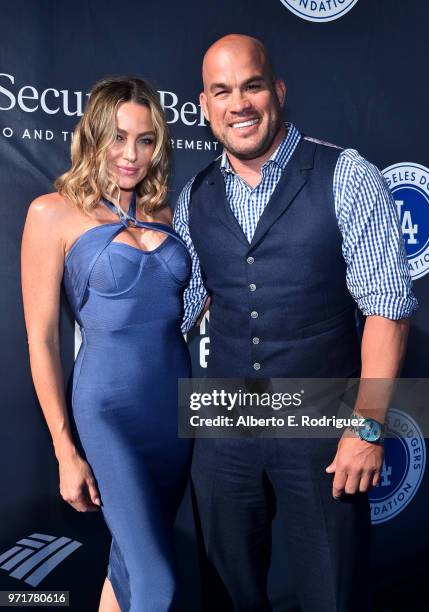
34 557
409 184
403 468
319 10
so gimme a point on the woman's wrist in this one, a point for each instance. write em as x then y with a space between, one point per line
65 451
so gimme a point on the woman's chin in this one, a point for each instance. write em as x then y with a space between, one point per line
128 183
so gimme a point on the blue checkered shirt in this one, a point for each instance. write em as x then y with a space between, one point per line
377 275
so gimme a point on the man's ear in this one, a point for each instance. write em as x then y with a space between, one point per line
203 102
280 87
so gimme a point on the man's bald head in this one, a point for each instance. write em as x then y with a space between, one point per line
232 44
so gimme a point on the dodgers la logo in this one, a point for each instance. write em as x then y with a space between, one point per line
403 467
319 10
409 184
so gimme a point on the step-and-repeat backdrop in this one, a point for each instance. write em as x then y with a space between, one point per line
356 72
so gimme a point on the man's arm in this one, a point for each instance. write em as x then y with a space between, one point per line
195 295
379 280
357 463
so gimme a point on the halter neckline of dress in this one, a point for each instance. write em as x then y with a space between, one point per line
130 217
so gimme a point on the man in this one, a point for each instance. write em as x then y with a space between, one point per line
289 234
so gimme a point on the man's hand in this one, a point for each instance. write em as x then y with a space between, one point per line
356 465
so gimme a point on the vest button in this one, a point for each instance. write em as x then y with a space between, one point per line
250 260
256 366
254 314
255 340
252 287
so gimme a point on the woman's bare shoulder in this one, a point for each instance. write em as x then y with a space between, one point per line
50 205
50 210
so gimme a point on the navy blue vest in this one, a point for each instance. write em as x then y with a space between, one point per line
280 306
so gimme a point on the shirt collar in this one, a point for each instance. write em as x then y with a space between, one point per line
280 156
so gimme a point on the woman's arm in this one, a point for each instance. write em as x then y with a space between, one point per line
42 269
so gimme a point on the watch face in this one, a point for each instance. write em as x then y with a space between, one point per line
370 430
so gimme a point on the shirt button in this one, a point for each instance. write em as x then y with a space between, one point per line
252 287
254 314
250 260
256 366
255 340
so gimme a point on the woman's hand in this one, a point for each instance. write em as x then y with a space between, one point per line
77 485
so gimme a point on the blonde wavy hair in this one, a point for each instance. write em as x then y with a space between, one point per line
88 179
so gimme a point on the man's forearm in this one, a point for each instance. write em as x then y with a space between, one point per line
383 348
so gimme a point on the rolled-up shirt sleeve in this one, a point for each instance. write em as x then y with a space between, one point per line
195 294
378 276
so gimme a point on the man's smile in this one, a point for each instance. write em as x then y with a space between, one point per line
244 124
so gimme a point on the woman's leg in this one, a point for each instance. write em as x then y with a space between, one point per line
108 601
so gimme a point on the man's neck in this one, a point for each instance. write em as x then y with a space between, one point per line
250 169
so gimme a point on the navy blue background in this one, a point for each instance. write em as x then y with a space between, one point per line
360 82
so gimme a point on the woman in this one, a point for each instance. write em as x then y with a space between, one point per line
107 234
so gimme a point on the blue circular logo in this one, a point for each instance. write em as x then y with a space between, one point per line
409 184
319 10
403 467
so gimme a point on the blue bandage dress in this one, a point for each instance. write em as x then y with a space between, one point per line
128 303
